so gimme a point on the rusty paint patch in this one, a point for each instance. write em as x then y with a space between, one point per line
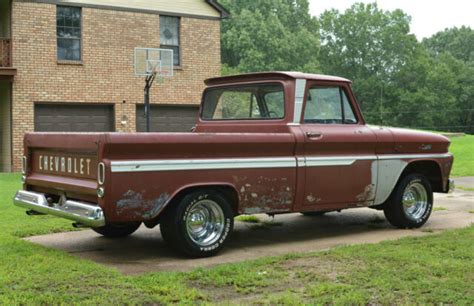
131 200
134 204
312 199
268 195
367 195
155 206
253 210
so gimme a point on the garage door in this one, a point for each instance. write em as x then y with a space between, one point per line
168 118
74 118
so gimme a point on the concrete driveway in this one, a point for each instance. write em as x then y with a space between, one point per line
465 182
145 250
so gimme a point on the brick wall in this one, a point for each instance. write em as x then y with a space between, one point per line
5 141
106 73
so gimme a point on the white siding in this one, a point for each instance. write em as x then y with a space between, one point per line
188 7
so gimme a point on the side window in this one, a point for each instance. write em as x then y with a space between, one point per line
328 105
275 102
260 101
169 36
236 105
68 31
349 116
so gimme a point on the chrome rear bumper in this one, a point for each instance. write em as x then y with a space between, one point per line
451 186
81 212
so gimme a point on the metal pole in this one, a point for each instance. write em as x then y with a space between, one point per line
381 105
148 82
147 106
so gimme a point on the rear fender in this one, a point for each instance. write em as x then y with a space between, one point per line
227 189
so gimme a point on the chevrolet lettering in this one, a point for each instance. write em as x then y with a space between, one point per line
272 142
65 164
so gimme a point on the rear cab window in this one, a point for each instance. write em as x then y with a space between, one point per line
247 102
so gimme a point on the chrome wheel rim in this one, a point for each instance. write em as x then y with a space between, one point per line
205 222
415 201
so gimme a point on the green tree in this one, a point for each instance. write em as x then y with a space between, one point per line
269 35
459 42
369 46
424 94
455 47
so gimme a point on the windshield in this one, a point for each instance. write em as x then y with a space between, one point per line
256 101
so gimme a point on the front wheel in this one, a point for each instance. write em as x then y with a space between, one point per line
198 224
117 230
411 203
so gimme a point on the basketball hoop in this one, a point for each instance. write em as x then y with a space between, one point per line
153 63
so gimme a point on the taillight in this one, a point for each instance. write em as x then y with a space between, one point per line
101 173
23 165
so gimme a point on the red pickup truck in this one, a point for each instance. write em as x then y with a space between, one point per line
274 143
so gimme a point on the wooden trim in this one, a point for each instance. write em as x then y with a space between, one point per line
220 8
121 9
66 62
7 71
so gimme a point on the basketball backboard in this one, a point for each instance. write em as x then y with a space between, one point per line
149 61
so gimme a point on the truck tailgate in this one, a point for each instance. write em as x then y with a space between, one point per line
63 164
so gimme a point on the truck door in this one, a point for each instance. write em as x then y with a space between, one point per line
339 163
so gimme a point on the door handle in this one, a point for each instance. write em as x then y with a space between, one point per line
314 134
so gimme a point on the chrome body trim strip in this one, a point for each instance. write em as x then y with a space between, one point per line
202 164
81 212
336 161
301 162
300 87
414 156
253 163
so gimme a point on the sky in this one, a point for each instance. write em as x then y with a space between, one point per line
428 17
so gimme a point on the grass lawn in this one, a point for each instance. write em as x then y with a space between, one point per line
463 150
437 269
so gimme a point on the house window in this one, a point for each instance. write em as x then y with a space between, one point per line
68 28
169 36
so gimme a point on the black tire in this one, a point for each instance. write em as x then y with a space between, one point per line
313 213
117 230
407 215
174 223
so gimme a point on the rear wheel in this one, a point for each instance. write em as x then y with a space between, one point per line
198 224
411 203
117 230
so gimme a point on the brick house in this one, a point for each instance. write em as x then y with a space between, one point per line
67 65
